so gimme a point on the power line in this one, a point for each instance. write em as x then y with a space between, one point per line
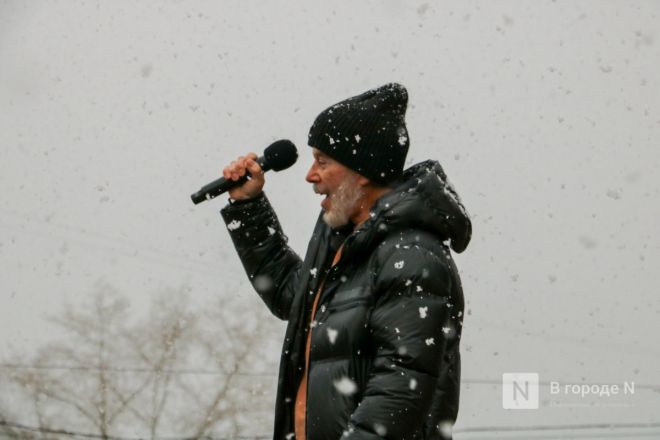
483 429
571 435
166 260
551 431
115 245
22 427
546 383
114 239
160 256
191 371
194 371
610 346
652 425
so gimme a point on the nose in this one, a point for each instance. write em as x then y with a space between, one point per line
313 175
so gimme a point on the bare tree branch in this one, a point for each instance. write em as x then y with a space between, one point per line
160 392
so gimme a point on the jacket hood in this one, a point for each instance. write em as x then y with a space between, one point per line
423 198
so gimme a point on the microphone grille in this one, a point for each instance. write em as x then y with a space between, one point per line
281 154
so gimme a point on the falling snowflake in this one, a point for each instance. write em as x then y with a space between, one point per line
613 194
345 386
408 282
235 224
380 429
588 242
423 311
413 384
357 139
332 335
445 429
271 231
430 341
402 140
263 283
399 264
446 330
313 272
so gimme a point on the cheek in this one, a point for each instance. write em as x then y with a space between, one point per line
331 181
332 188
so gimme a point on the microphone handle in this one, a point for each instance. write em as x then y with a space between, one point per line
222 185
216 188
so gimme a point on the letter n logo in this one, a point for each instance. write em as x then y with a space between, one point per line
520 390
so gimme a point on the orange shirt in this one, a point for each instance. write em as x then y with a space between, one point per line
300 415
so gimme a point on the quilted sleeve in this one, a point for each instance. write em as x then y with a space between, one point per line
271 265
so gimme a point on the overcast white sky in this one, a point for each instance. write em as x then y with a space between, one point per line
545 115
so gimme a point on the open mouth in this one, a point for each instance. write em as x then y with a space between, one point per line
326 199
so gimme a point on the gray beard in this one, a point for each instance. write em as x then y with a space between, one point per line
344 202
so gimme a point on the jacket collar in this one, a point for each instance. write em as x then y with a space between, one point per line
423 198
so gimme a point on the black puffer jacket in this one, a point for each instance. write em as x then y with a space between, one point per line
384 358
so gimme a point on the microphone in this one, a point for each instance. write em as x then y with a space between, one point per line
277 156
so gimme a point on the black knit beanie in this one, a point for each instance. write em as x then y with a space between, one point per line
367 133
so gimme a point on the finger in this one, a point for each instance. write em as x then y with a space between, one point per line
236 169
232 171
242 166
254 167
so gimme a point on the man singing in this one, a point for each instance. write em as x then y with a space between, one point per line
375 309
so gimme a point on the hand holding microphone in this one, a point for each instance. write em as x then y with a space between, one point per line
244 177
238 169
